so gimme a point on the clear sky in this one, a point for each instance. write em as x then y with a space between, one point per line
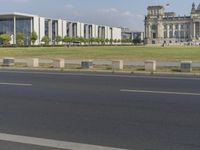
126 13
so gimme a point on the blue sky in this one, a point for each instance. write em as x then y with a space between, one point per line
126 13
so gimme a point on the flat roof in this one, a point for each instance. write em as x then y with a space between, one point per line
17 14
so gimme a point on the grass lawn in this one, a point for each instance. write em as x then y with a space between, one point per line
106 52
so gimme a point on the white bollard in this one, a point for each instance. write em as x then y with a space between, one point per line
186 66
150 65
117 64
8 61
87 64
59 63
33 62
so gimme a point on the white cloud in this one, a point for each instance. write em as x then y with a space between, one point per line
109 10
69 6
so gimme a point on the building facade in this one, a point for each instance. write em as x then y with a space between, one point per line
12 23
165 27
127 34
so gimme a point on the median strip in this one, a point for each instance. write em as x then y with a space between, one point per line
15 84
160 92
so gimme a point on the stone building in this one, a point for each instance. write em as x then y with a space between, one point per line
165 27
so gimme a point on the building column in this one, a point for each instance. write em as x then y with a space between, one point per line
167 31
173 30
145 30
87 31
179 32
185 29
159 30
194 30
149 31
199 30
14 30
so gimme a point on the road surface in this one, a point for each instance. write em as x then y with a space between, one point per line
55 110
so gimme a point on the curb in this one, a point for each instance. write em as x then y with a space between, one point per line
101 71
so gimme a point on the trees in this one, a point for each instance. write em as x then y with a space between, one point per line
111 41
91 41
81 39
45 39
5 38
20 38
34 37
58 39
115 41
107 41
67 39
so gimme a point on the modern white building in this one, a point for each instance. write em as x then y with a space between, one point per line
12 23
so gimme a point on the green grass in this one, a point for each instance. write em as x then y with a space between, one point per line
106 52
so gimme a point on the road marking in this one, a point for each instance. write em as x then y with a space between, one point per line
161 92
15 84
52 143
104 75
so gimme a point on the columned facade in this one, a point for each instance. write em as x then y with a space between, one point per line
165 27
14 23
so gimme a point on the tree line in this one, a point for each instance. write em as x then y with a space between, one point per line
58 40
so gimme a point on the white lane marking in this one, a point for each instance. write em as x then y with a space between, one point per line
161 92
15 84
52 143
104 75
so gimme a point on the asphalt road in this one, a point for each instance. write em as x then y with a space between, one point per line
136 112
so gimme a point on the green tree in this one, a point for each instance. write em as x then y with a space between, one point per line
81 39
58 39
115 40
111 41
73 39
34 37
91 41
98 40
68 40
107 41
20 38
5 38
45 39
102 40
118 41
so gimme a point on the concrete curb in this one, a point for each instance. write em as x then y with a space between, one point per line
100 71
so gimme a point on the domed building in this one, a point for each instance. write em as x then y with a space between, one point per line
166 27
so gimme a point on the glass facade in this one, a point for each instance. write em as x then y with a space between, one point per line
7 26
23 25
54 29
46 28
